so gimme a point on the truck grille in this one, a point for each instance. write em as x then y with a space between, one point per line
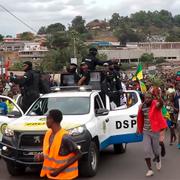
28 140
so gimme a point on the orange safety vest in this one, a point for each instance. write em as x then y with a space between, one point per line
52 159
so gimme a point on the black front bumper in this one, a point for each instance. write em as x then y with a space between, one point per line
11 151
18 156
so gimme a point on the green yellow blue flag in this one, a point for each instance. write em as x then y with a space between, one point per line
143 87
165 113
139 74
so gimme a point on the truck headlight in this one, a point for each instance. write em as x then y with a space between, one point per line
76 131
9 132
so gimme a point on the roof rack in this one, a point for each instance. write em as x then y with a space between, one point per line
71 88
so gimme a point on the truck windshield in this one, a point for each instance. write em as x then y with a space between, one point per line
67 105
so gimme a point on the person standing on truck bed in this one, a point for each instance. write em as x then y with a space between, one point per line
151 122
60 153
73 70
91 60
29 84
111 84
84 75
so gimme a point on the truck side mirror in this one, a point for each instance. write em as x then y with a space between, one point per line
102 112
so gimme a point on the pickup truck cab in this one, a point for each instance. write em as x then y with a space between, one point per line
94 126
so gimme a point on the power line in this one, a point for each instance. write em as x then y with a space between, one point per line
17 18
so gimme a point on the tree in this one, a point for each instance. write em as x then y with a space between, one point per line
76 46
126 66
54 28
8 36
162 19
27 36
123 38
87 36
102 57
63 46
147 58
173 35
115 20
42 30
126 34
177 20
55 60
159 60
140 19
78 24
1 37
58 40
16 66
166 17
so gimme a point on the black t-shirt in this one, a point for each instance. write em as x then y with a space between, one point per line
68 146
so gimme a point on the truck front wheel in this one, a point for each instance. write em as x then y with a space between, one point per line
119 148
88 164
15 170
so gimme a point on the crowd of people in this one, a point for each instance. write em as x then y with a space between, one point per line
158 112
159 109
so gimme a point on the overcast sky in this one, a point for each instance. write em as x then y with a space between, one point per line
39 13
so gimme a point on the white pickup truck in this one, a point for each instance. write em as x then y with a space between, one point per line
92 124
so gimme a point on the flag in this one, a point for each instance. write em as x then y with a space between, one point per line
165 113
139 74
143 87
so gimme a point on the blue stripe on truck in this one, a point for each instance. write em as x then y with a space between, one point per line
126 138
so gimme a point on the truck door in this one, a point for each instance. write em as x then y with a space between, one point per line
101 115
123 120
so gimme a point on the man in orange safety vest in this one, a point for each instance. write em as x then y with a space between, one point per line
60 153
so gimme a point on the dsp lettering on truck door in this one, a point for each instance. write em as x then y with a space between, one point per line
123 121
126 124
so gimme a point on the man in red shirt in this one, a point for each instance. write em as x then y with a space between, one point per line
150 123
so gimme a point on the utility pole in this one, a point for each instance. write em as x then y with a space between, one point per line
74 44
74 59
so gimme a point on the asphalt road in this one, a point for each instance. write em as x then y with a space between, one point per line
127 166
